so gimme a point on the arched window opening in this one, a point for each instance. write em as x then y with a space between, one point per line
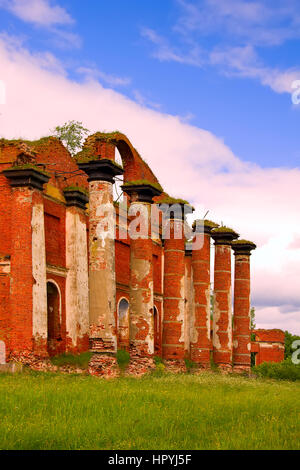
54 319
123 323
119 180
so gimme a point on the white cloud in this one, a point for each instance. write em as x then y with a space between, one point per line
166 53
44 14
261 204
242 61
38 12
255 22
92 73
241 24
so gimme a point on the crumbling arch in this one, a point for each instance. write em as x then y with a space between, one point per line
135 168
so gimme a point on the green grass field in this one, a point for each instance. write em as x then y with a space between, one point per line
184 412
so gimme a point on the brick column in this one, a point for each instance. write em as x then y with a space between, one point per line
188 300
77 291
241 329
174 289
201 321
28 294
102 277
141 320
222 315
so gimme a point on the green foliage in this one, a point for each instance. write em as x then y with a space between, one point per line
30 166
284 370
171 200
159 370
79 360
144 182
205 222
190 365
123 359
252 322
44 411
158 360
288 341
242 242
223 229
76 188
72 134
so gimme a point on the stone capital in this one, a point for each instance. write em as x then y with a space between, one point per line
76 198
141 192
204 226
224 236
101 170
26 177
243 247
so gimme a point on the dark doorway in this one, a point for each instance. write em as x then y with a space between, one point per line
54 320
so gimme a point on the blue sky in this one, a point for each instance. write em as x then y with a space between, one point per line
202 88
160 53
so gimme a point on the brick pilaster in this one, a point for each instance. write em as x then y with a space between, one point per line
241 329
201 321
174 304
102 278
222 314
141 327
28 295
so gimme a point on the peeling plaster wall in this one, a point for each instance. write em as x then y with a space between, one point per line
102 277
200 325
222 317
39 301
174 294
141 290
77 302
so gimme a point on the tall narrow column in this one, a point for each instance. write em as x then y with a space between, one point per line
201 321
188 300
77 291
241 326
102 278
222 314
141 320
174 287
28 295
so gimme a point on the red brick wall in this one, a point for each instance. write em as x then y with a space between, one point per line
5 325
122 254
55 228
268 346
21 270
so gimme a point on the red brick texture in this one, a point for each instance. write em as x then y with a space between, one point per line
141 290
200 327
222 326
21 296
176 328
174 271
269 346
241 328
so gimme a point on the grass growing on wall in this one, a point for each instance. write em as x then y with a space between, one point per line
80 360
208 411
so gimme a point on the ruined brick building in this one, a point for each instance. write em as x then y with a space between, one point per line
66 288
